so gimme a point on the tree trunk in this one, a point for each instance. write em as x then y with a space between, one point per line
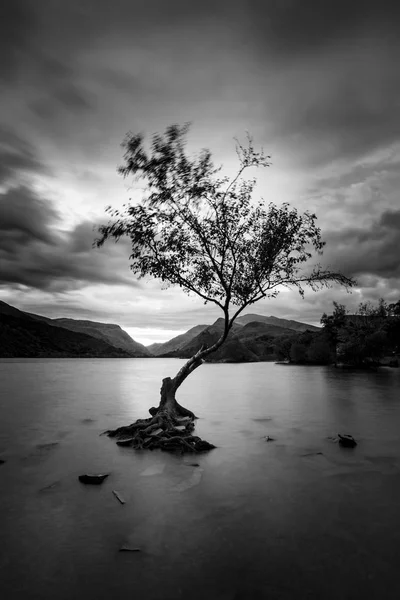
168 404
170 425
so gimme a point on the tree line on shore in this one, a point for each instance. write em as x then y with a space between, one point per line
364 338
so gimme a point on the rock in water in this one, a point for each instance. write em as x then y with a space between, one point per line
2 461
93 479
347 440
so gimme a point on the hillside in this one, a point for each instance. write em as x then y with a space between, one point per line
251 338
110 333
286 323
28 337
20 337
177 342
207 336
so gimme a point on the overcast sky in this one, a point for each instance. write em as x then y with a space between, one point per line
317 84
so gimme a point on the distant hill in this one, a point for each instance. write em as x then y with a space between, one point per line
26 334
27 338
177 342
288 324
110 333
207 336
250 339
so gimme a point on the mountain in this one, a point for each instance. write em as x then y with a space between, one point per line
232 350
27 334
208 336
7 309
257 328
177 342
110 333
259 338
288 324
250 339
27 337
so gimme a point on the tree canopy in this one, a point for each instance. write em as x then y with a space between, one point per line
203 232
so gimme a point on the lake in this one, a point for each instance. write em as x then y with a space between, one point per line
297 517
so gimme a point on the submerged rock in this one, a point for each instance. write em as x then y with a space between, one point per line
347 440
50 487
93 479
47 446
313 454
2 461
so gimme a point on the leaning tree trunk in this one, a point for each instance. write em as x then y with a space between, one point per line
170 426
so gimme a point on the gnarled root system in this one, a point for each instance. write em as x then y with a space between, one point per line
165 431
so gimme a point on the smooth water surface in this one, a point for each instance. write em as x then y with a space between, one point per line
298 517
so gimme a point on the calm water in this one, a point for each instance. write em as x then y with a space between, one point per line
256 519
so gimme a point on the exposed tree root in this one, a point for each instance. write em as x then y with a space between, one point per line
163 431
170 426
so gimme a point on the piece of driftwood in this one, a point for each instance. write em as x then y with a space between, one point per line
118 496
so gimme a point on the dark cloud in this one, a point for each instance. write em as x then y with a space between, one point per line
326 72
372 250
285 28
17 156
332 83
24 218
16 28
34 253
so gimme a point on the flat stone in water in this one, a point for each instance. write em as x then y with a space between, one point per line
93 479
126 548
346 440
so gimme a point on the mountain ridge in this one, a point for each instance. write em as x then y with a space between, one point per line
250 339
99 338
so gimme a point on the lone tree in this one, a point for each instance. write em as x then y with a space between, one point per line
202 232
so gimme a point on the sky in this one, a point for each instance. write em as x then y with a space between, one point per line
316 83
